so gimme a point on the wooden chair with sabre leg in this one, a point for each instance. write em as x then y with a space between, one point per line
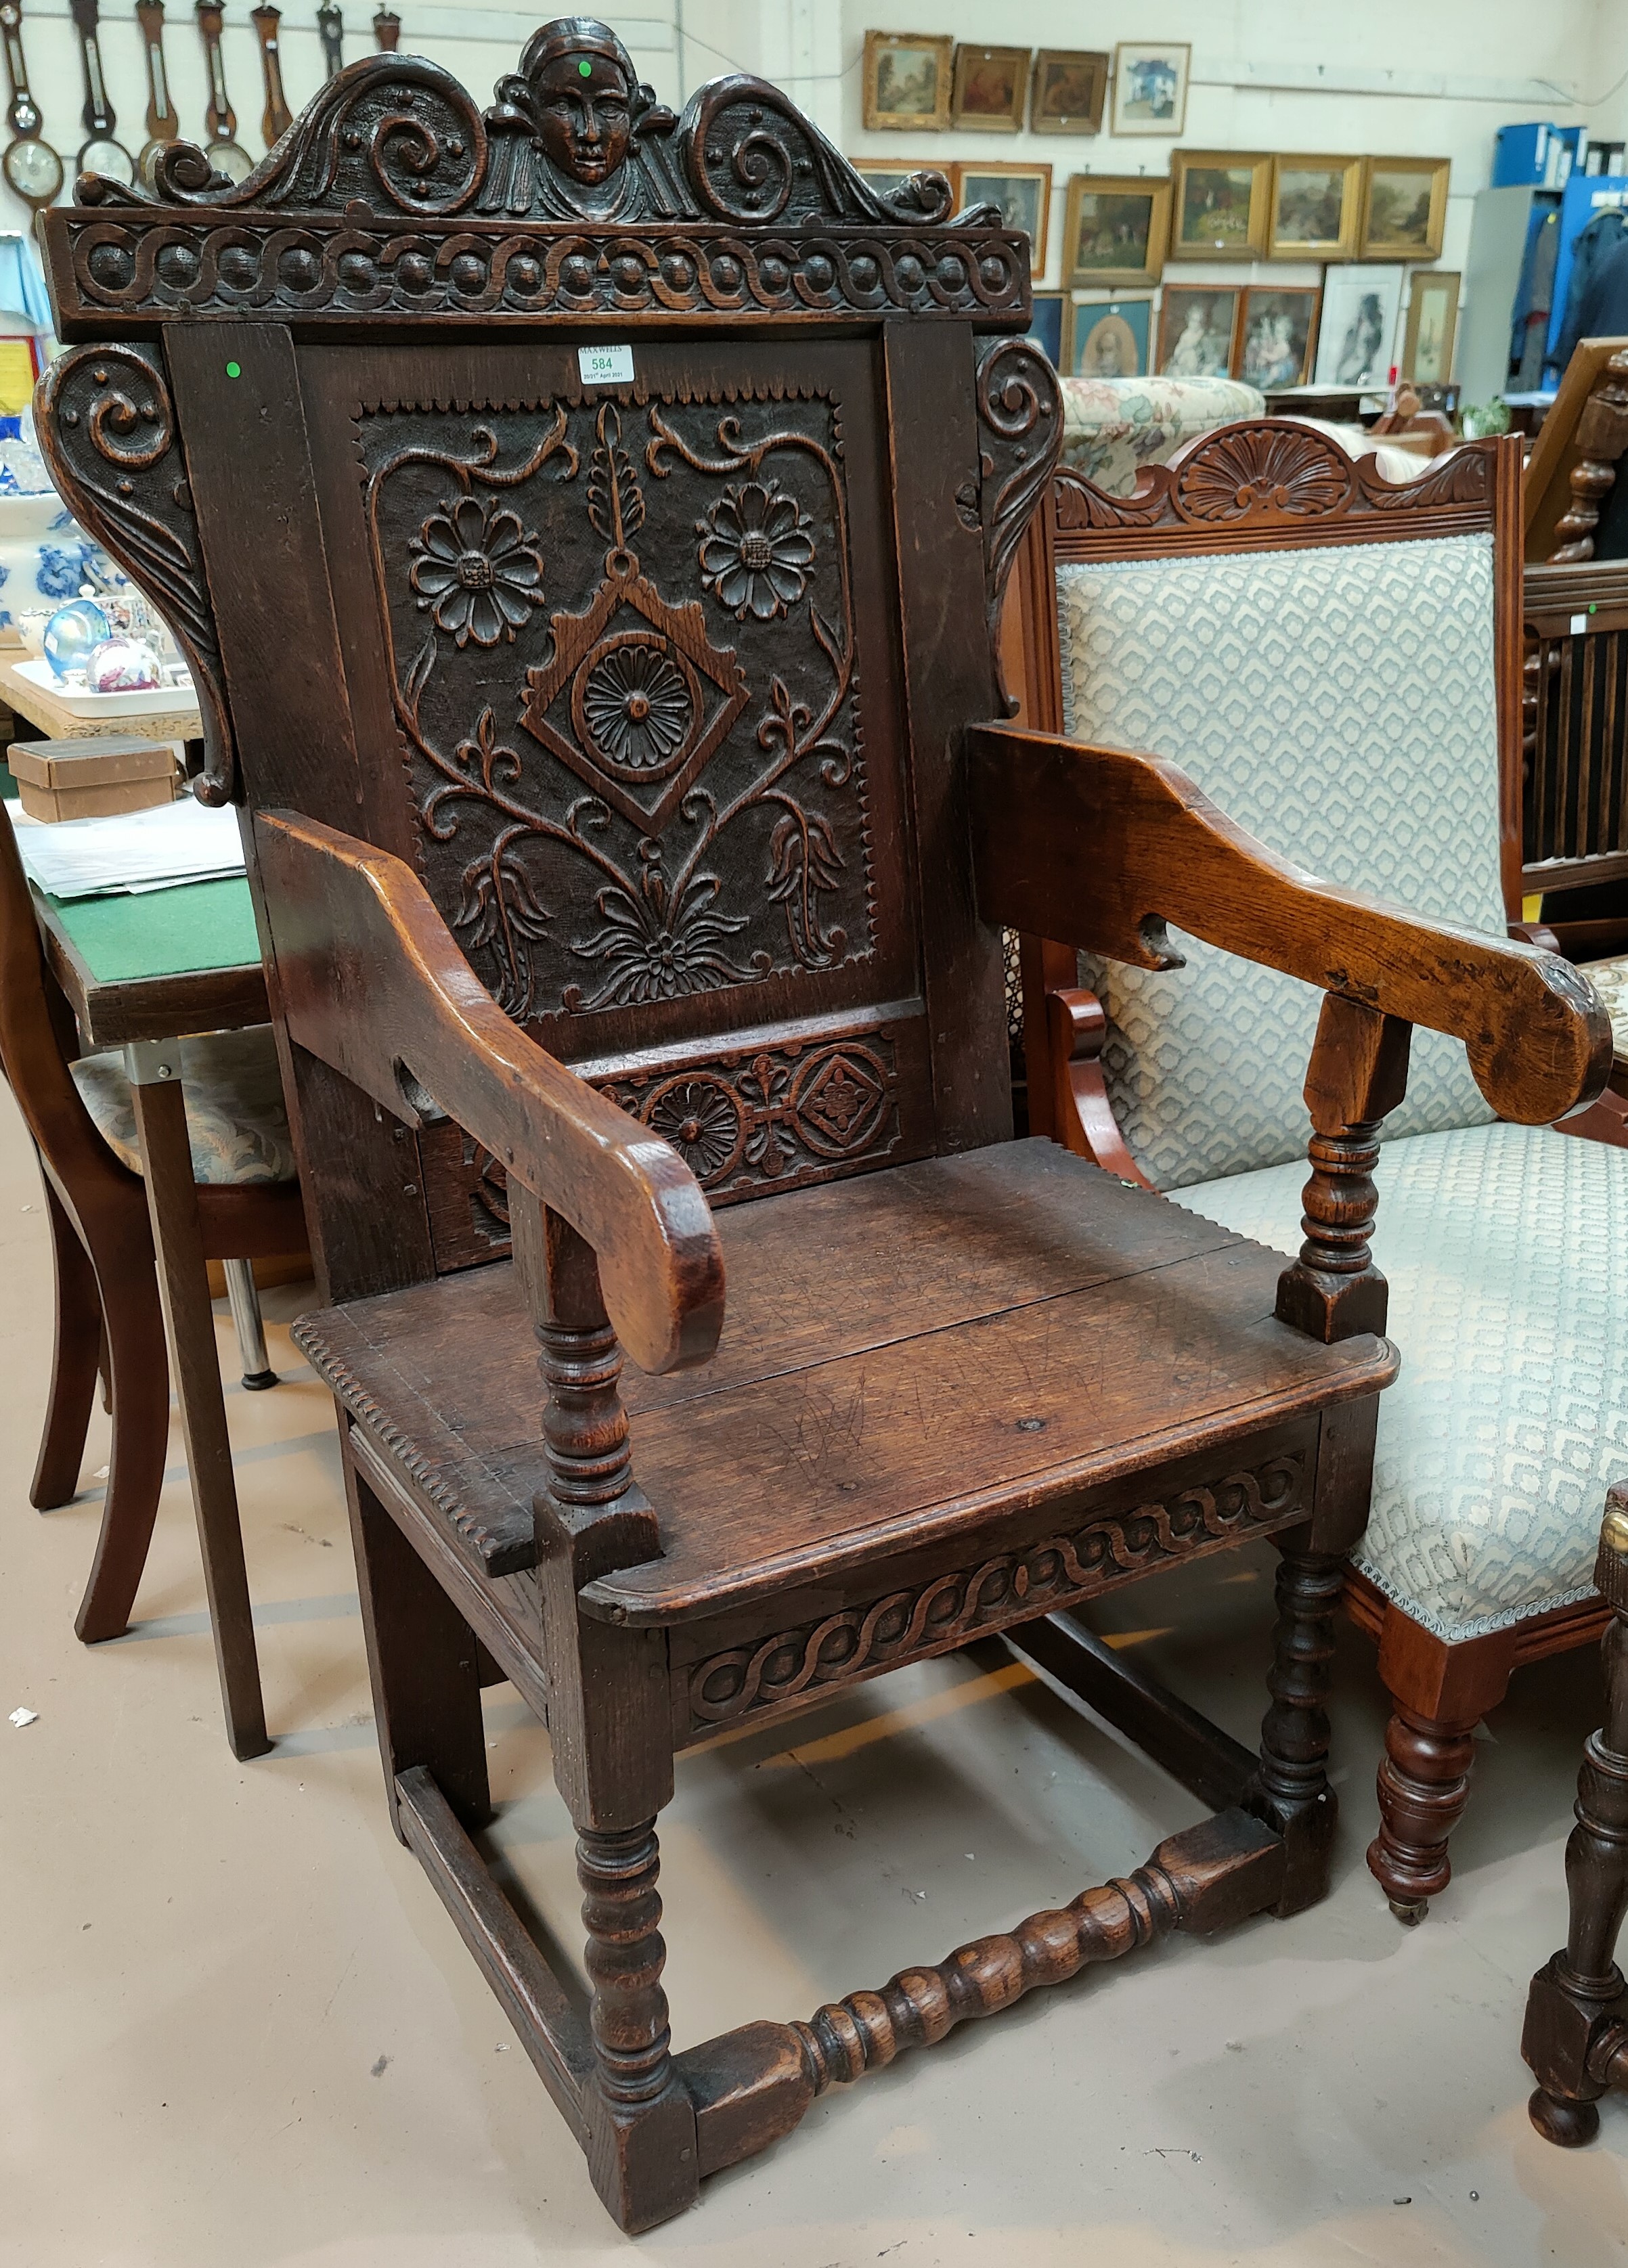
80 1112
632 855
1337 659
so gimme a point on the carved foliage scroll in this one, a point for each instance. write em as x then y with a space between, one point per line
622 648
1019 441
108 428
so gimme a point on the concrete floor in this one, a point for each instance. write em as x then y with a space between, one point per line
239 2029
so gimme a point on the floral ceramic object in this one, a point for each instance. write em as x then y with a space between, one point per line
1113 426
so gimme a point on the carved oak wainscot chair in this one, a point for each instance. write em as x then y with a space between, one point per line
1337 659
612 836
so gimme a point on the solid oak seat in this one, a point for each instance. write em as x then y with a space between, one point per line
888 1339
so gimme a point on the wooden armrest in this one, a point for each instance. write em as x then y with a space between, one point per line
372 983
1099 848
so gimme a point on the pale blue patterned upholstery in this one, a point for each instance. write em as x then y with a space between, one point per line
1505 1249
237 1123
1337 703
1610 979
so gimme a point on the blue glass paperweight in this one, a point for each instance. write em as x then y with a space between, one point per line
71 632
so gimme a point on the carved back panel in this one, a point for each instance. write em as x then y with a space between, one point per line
655 673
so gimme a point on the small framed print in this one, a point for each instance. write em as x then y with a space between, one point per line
1150 86
1357 333
1433 318
907 82
990 88
1404 207
1049 326
1198 330
1023 194
1316 208
1277 336
1115 230
1110 338
1068 91
1222 199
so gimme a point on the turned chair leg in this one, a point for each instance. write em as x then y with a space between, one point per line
1576 2036
1292 1791
73 1368
1439 1693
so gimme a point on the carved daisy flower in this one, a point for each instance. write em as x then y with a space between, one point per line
756 549
477 571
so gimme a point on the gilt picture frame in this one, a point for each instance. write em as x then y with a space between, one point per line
1068 92
1277 339
1404 207
1023 194
990 90
908 76
1429 334
1110 338
1115 230
1220 204
1316 207
1198 330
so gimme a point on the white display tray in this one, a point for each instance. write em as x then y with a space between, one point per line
161 701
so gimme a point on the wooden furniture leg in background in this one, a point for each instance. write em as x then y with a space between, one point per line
1439 1693
154 1071
1576 2036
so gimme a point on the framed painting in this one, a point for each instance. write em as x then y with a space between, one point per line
990 90
907 82
1023 194
1049 326
1316 208
1276 335
1404 207
887 175
1110 338
1222 200
1150 86
1068 91
1116 228
1433 320
1357 331
1198 331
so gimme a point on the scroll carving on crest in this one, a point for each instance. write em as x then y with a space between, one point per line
1020 442
107 426
575 190
622 651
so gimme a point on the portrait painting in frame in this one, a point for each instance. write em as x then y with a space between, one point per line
990 88
1221 203
1116 228
907 82
1197 328
1110 338
1316 208
1023 194
1150 86
1404 207
1276 335
1357 330
1069 92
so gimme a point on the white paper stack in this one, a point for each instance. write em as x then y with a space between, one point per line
154 849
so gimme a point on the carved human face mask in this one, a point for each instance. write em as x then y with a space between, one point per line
583 106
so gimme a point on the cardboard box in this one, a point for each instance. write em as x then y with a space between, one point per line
92 778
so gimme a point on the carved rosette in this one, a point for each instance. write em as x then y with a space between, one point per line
108 429
908 1624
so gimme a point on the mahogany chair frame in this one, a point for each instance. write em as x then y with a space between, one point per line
1274 486
108 1313
404 264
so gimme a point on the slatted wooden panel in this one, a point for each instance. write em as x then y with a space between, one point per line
1574 807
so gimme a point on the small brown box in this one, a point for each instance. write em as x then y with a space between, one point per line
92 778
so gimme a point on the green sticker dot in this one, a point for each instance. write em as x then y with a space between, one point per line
584 71
235 370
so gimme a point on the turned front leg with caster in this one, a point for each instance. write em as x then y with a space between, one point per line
1576 2036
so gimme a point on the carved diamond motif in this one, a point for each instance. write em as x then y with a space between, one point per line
838 1109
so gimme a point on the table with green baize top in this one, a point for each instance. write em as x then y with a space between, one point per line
140 971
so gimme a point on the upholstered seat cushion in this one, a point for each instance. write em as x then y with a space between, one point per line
1113 426
236 1121
1339 702
1504 1247
1610 979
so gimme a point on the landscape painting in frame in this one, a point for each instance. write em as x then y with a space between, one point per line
1070 91
1221 204
1111 338
1404 207
1316 208
991 89
1150 87
907 82
1276 336
1023 194
1115 229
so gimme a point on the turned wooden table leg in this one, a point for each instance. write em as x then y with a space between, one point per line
1292 1789
1576 2036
